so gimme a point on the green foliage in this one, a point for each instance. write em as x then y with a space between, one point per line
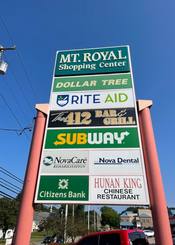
41 207
55 223
8 213
109 217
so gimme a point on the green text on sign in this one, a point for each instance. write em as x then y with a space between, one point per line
63 188
92 138
98 82
92 61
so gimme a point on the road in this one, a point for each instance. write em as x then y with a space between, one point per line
151 241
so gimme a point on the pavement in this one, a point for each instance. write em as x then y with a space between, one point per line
151 240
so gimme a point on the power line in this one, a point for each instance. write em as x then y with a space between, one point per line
3 170
3 194
2 180
29 103
18 131
9 189
25 98
19 56
13 114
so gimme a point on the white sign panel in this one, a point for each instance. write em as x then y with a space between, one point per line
121 98
65 161
115 161
118 189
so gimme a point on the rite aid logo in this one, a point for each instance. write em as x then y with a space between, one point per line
62 100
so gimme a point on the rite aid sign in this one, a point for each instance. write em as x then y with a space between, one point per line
92 151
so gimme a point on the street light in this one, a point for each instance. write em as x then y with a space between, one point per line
3 64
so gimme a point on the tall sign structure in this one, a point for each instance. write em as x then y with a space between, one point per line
92 150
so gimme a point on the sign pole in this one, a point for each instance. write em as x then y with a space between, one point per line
26 212
155 185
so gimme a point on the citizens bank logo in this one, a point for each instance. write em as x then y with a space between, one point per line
62 100
63 184
47 161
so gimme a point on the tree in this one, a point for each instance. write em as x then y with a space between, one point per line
76 228
55 223
8 213
109 217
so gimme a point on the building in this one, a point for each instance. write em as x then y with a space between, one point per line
39 217
127 219
141 219
145 218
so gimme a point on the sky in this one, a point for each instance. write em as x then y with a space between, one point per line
40 28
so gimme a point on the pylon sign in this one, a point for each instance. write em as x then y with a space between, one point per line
92 150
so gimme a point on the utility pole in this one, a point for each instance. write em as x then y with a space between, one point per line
3 64
88 218
65 224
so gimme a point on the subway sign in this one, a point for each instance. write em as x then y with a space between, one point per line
92 151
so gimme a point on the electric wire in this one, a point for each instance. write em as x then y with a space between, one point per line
20 58
9 189
25 98
3 194
3 181
13 114
29 103
18 131
3 170
10 129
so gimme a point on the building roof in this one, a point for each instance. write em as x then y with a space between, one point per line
128 213
126 223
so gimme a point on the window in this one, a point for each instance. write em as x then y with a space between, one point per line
110 239
91 240
138 238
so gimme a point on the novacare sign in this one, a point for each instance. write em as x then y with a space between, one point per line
65 161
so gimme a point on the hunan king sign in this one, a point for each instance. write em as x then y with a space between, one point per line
92 151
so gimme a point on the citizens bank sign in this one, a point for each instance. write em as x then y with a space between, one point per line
92 152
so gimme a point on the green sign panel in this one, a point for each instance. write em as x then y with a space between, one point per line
82 83
69 188
92 61
92 138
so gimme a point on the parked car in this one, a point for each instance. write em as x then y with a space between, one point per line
149 233
115 237
54 239
47 240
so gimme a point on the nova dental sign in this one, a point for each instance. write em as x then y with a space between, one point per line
92 150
